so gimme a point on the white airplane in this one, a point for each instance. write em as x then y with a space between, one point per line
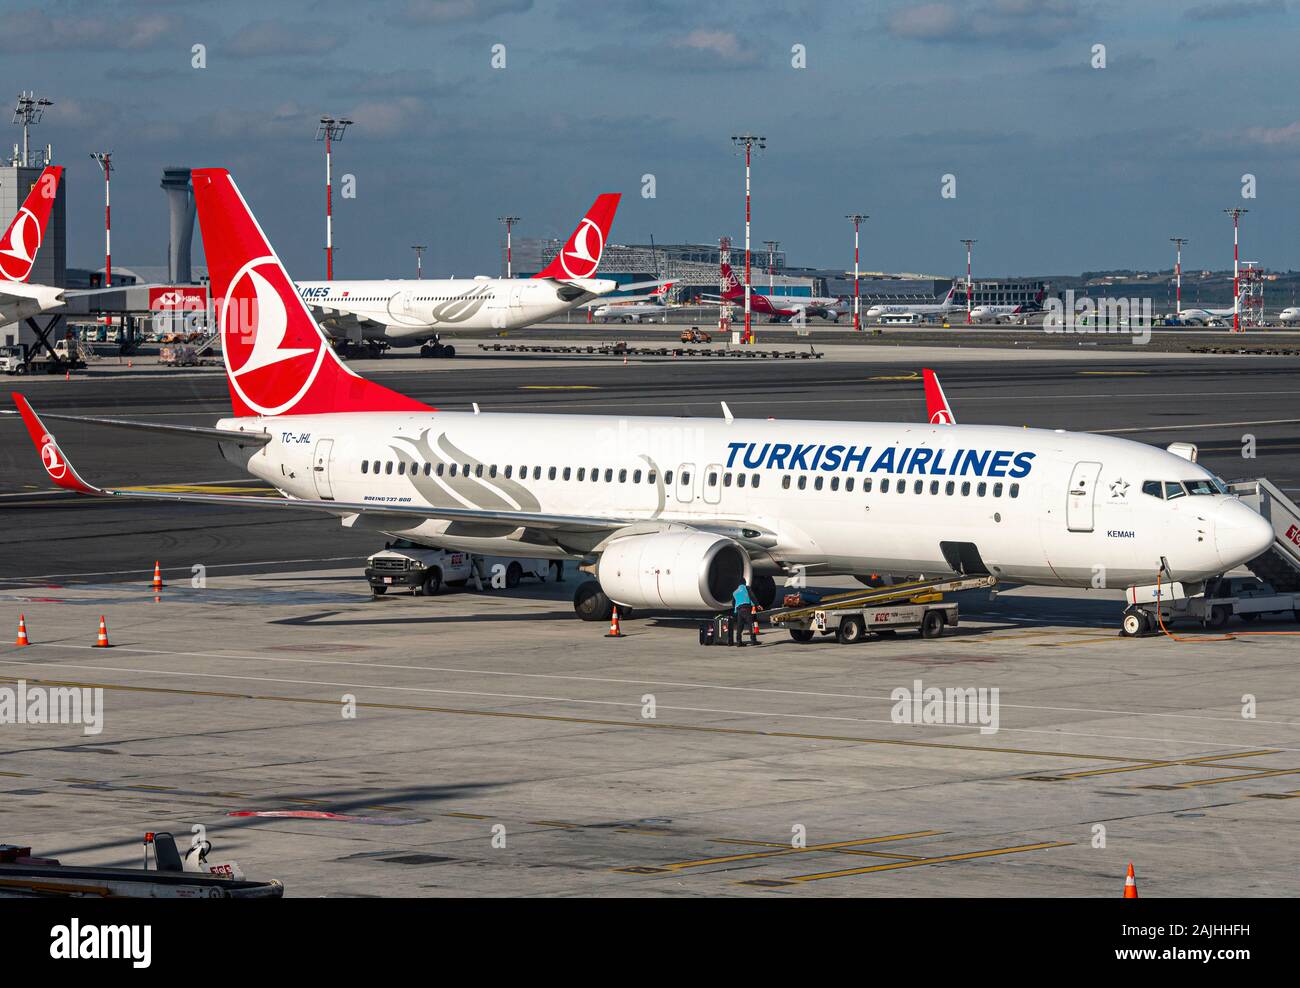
634 309
404 313
670 514
1289 315
779 307
879 313
18 299
1198 316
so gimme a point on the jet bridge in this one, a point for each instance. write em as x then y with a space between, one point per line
1278 565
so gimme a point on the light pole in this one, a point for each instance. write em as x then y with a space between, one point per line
1235 212
749 142
509 221
105 159
969 244
857 219
419 260
1178 274
27 113
329 131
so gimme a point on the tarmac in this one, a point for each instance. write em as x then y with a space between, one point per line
498 746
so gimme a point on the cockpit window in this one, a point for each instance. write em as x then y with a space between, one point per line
1173 489
1153 487
1200 487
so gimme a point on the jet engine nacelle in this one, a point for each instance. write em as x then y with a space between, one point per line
681 571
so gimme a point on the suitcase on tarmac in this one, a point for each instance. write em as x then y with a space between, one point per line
722 629
706 633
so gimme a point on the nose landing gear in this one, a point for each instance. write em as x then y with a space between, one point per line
1137 623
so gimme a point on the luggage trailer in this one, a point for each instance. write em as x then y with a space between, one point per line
850 617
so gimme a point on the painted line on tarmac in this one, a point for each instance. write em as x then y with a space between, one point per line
895 865
778 852
175 569
623 703
604 680
1206 760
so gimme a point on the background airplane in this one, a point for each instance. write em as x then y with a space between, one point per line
636 308
408 313
778 308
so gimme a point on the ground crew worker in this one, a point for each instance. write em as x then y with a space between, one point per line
742 606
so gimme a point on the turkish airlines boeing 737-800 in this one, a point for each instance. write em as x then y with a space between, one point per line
669 513
413 313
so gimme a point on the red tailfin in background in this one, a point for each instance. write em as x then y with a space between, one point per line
278 362
23 239
580 256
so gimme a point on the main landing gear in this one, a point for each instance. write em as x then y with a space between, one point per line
435 349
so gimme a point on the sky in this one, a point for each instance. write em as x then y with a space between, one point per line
1063 156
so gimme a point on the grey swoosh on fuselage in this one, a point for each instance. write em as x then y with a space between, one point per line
462 307
507 496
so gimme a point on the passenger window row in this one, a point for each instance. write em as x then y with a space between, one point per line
899 486
403 469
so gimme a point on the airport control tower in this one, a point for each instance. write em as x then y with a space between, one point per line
17 176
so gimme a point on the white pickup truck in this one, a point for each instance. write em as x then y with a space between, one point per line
425 571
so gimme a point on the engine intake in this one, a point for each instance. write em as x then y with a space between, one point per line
682 571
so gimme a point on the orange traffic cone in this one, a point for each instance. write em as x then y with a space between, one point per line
615 630
757 630
1130 884
157 576
22 631
102 640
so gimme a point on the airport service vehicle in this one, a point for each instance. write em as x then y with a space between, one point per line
670 514
174 875
18 247
373 315
695 335
908 312
915 605
1217 601
425 570
780 308
20 358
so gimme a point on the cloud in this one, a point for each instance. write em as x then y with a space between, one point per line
262 38
1234 9
1285 136
34 30
450 11
720 44
1010 23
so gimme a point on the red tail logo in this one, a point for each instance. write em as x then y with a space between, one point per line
731 287
278 362
580 256
22 240
936 402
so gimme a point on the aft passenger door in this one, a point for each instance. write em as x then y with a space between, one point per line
1081 495
320 468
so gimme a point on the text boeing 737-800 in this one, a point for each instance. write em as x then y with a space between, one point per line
670 514
414 313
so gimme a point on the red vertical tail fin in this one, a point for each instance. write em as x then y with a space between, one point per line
278 362
23 239
936 402
580 255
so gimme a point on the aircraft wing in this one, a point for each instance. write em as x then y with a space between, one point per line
596 528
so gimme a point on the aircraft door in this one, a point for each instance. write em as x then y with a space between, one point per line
1080 497
321 468
685 483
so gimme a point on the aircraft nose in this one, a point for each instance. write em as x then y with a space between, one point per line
1240 534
